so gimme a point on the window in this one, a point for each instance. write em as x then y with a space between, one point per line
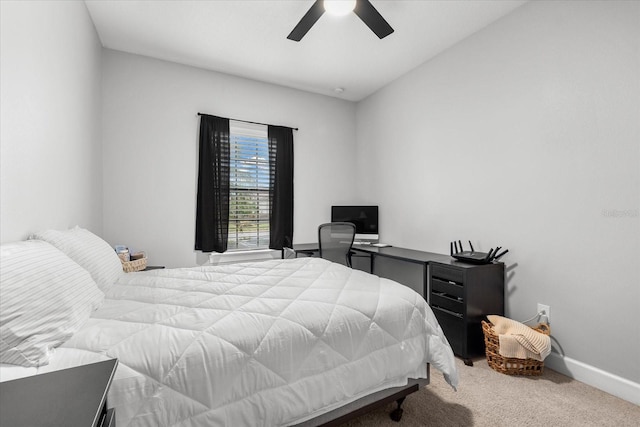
262 201
248 186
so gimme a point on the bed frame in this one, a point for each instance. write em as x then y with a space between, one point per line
365 404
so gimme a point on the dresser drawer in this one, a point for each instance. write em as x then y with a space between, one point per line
453 327
446 273
449 288
447 302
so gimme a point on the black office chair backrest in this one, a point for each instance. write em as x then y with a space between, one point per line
335 240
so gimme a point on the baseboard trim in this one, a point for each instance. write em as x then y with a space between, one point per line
602 380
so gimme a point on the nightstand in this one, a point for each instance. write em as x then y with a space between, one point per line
69 397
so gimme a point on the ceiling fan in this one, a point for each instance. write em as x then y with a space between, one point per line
363 8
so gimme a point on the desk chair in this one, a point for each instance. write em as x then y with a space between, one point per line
335 240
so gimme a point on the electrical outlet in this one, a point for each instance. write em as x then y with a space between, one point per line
547 311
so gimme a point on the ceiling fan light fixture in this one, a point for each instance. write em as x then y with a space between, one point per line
339 7
362 8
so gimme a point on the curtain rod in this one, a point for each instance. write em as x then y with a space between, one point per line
247 121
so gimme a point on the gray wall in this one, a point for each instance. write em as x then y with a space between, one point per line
527 135
51 160
151 140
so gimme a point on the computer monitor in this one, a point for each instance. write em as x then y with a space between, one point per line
365 218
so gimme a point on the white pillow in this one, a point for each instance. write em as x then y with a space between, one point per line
90 251
45 298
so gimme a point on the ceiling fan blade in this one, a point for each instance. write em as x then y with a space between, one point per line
370 16
307 21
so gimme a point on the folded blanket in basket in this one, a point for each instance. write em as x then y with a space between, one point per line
520 341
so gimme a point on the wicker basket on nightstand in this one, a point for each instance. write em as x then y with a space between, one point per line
134 264
509 365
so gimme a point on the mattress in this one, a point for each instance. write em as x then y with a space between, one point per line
258 344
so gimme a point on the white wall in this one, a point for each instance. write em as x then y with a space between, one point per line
150 137
526 135
50 170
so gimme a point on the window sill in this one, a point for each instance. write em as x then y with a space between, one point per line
243 256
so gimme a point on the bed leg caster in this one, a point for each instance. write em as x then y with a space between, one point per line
468 362
396 414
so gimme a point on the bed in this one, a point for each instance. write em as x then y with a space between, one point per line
281 342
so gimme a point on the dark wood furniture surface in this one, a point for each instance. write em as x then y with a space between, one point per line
410 255
69 397
461 296
153 267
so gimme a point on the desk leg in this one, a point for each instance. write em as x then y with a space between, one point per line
425 276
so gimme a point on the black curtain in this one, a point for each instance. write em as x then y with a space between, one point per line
280 186
212 210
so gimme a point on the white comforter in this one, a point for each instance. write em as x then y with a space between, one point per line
269 343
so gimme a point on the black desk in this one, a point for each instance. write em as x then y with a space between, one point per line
460 294
69 397
402 254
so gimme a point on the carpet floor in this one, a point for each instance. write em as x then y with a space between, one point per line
488 398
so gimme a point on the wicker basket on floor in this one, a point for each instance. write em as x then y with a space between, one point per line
509 365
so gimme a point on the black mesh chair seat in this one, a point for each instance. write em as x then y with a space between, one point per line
335 240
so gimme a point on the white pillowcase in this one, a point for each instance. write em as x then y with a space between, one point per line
90 251
45 298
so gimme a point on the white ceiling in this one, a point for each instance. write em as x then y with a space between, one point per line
248 38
